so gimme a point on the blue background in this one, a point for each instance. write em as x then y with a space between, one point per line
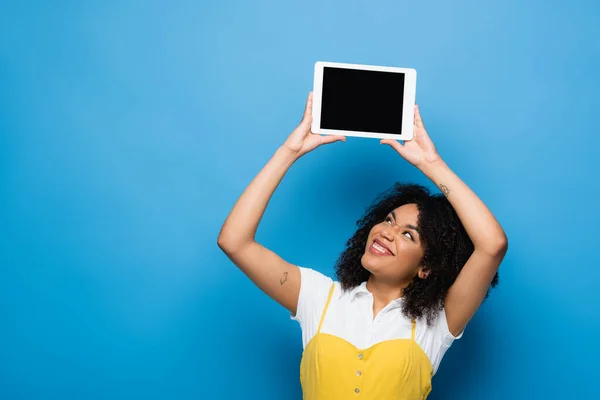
129 128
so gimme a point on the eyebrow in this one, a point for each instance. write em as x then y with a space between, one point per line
409 226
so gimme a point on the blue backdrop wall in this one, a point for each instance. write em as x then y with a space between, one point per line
129 128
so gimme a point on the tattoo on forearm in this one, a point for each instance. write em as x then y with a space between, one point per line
284 278
444 189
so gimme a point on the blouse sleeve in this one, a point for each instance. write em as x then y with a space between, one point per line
439 339
314 290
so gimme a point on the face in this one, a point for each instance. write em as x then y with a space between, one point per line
394 250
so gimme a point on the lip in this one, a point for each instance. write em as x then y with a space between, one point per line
380 243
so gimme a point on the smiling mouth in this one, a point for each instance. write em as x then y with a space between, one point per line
379 248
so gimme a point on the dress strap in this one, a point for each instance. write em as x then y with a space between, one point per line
326 306
414 328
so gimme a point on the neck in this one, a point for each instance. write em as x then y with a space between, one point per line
385 291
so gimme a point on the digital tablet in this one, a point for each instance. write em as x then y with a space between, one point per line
364 100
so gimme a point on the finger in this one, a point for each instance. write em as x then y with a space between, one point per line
418 119
394 144
308 108
420 134
331 139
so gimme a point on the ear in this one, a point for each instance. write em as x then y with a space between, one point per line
424 272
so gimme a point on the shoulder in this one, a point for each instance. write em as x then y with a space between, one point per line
314 290
313 279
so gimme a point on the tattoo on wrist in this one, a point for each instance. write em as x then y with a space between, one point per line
284 278
444 189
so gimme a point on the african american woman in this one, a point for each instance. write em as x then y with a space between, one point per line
408 282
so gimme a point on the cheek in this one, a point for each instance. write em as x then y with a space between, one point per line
417 252
412 253
372 233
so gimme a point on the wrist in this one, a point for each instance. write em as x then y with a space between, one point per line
432 167
287 155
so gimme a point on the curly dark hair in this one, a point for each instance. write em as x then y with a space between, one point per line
446 246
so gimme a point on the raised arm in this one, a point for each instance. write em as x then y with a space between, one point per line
273 275
489 240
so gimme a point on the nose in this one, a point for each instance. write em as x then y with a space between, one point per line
387 233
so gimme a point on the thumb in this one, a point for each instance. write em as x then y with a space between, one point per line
309 103
306 123
394 144
331 139
307 116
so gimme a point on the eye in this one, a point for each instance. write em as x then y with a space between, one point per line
388 220
410 236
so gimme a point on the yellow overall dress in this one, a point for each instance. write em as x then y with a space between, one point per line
334 369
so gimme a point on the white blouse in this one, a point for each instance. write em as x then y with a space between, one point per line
350 316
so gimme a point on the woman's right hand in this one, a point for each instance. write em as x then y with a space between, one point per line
302 140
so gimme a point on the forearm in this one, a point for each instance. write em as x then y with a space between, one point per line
482 227
241 224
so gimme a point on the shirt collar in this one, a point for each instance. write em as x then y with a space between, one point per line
362 289
358 290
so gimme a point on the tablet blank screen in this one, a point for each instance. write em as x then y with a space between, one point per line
359 100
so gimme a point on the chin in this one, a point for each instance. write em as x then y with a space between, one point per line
370 263
364 260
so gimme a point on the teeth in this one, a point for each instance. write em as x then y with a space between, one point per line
380 248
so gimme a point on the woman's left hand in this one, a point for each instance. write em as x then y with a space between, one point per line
419 151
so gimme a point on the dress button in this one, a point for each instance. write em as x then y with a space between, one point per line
360 356
357 390
358 373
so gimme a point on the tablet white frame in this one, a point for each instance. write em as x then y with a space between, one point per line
410 85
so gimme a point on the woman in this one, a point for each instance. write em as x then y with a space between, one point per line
409 280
